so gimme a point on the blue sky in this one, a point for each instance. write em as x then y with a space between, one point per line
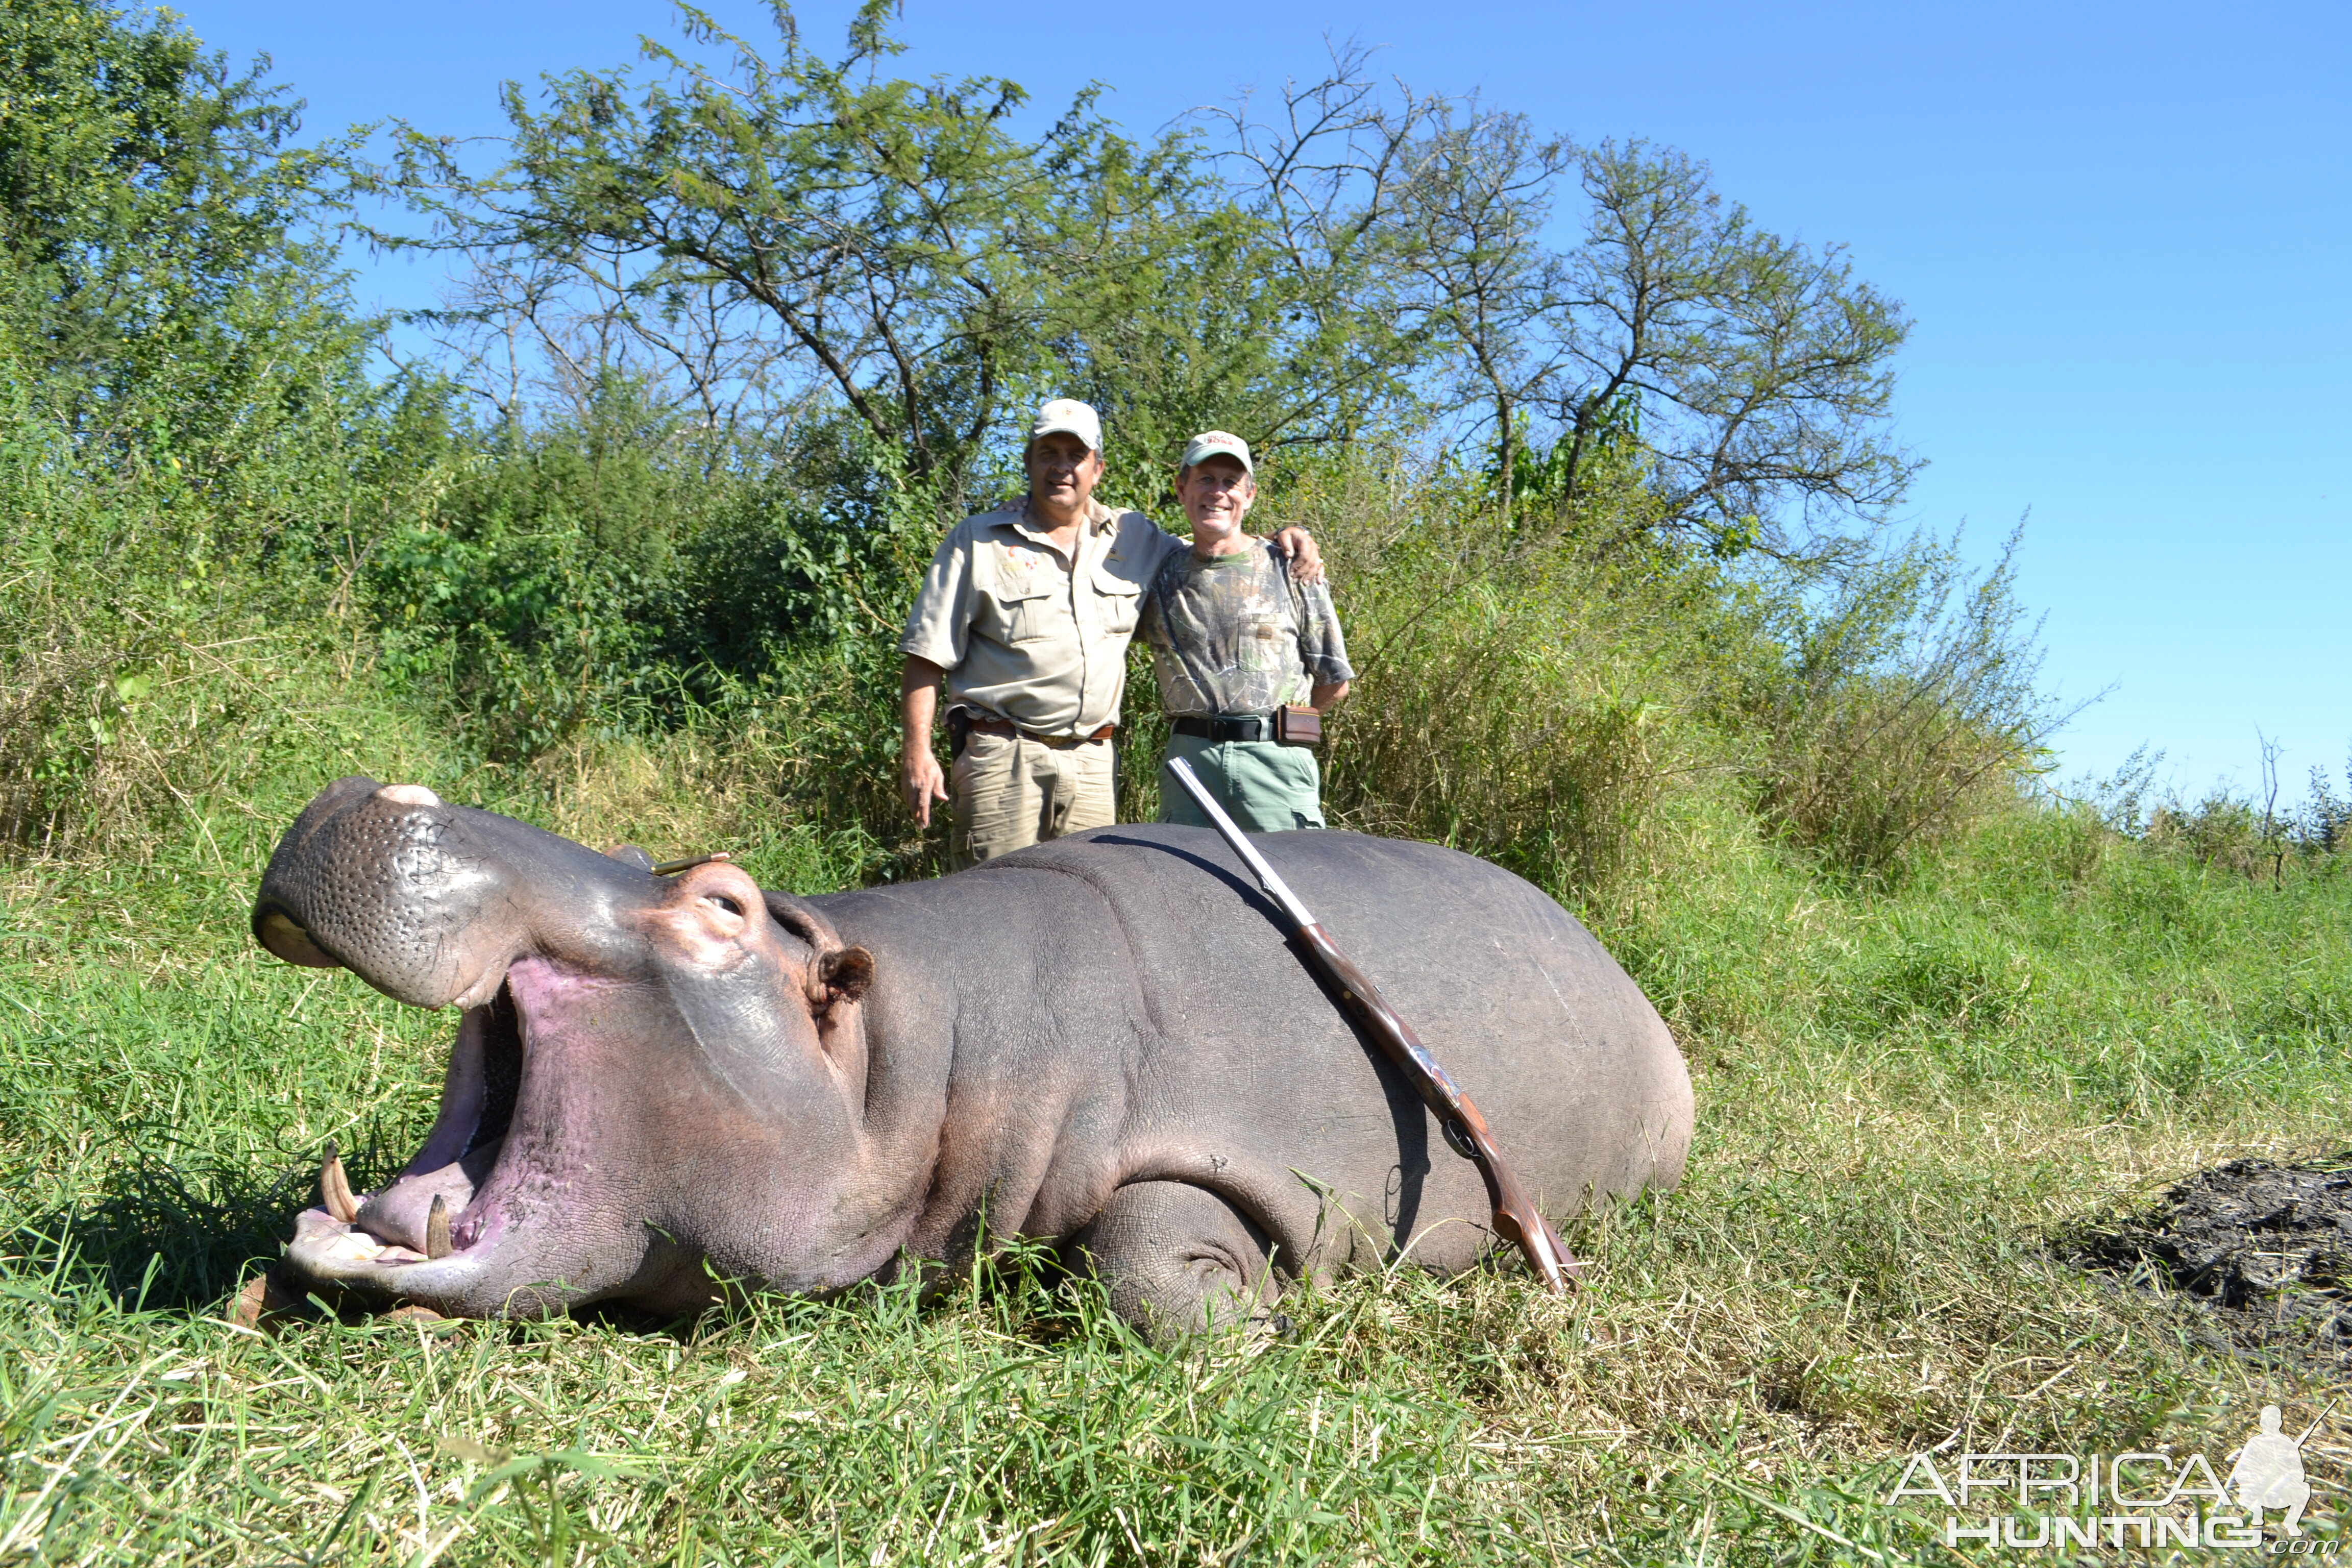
2122 231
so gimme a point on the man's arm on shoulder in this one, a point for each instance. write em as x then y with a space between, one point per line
1164 546
1297 547
1305 556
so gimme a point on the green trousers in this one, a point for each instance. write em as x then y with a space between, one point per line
1263 788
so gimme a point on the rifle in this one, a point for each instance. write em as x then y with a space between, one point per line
1516 1219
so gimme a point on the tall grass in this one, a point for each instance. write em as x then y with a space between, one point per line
1909 1100
1936 1030
1558 699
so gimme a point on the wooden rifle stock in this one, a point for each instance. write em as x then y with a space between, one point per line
1516 1219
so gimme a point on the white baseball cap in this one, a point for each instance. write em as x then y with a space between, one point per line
1067 415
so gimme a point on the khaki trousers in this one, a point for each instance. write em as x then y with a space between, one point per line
1010 792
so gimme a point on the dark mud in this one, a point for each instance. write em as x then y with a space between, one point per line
2264 1249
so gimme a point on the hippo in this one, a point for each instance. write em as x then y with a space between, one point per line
665 1087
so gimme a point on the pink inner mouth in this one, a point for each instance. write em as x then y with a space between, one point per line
458 1163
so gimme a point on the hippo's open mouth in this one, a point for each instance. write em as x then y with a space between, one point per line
430 1228
629 1045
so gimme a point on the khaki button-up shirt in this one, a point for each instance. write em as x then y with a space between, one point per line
1024 632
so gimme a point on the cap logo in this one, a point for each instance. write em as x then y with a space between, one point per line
1218 444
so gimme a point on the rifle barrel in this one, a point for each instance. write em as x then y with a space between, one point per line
1516 1219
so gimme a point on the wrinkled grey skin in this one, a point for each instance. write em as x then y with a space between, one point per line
1103 1042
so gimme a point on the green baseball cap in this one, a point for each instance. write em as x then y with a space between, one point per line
1218 444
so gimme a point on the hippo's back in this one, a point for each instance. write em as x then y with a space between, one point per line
1244 1055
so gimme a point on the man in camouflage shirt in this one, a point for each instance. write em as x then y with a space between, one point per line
1235 635
1023 622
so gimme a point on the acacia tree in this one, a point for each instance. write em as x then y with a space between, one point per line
1757 372
1746 378
1471 244
794 228
792 233
881 236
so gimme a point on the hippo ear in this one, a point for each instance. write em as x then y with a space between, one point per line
841 975
835 981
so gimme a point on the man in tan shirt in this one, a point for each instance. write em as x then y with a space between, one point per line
1024 617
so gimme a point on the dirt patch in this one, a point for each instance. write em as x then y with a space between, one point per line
2266 1248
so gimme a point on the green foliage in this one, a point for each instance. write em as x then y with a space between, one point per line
1906 707
1554 695
534 590
626 576
644 604
148 646
155 277
192 457
1519 701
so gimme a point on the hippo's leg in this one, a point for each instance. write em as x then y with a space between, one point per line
1179 1260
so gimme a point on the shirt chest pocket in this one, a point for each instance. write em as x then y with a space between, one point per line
1116 600
1022 608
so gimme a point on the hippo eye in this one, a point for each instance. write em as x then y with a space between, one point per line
724 902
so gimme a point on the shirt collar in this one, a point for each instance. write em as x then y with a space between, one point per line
1100 519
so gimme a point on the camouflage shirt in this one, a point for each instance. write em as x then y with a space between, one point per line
1237 634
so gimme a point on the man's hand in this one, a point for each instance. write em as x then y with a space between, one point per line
919 771
922 784
1306 556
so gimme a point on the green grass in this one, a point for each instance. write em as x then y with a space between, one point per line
1907 1100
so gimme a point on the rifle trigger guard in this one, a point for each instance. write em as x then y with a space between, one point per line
1455 1137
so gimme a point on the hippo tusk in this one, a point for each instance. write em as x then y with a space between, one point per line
335 1189
437 1228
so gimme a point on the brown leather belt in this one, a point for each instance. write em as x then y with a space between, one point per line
983 725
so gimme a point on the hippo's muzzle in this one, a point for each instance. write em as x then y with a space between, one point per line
595 1001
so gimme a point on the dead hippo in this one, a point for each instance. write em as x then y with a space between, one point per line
1104 1043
